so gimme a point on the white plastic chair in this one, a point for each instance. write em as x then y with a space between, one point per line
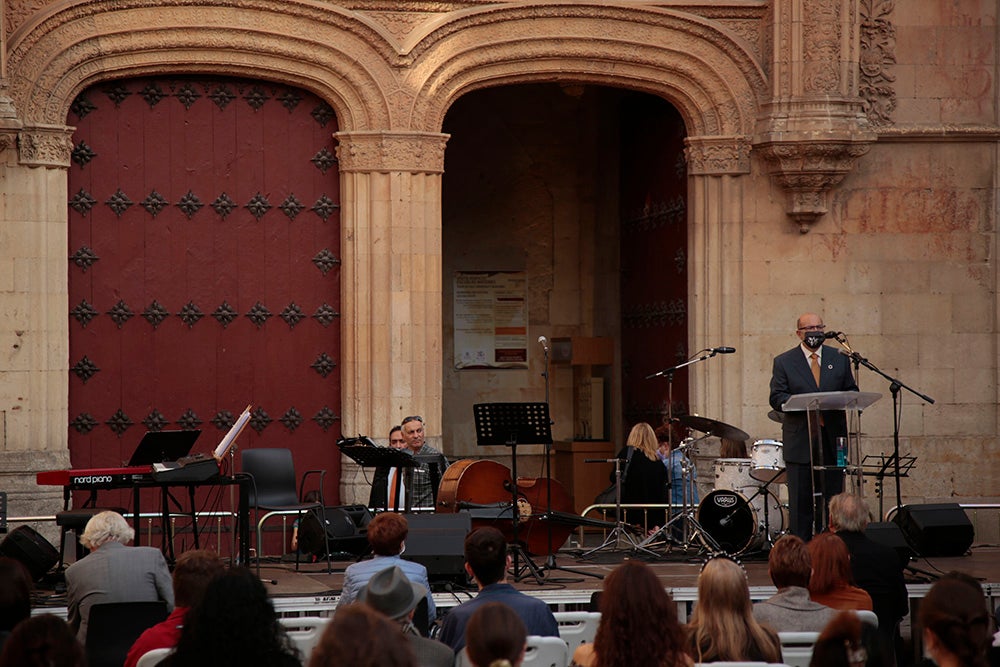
154 657
546 652
577 627
868 617
797 647
304 632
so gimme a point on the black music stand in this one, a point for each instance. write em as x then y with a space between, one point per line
371 456
513 424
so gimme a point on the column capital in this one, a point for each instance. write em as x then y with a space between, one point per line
411 152
45 146
717 156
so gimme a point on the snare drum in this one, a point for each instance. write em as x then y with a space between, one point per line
732 474
768 461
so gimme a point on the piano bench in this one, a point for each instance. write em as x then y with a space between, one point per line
76 520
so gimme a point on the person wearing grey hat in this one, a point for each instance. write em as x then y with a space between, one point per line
392 594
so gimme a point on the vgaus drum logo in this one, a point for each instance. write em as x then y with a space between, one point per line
725 500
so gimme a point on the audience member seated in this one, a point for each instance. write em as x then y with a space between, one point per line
722 626
387 534
192 574
487 561
830 583
359 636
635 604
43 641
874 567
955 623
15 596
790 609
113 572
389 592
840 643
234 625
496 637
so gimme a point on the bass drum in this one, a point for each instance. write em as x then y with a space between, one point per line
728 518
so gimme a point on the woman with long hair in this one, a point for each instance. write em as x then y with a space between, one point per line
722 626
359 636
644 478
235 625
831 581
638 625
495 636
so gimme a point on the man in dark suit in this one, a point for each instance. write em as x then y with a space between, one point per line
807 368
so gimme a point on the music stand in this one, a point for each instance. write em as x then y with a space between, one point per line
513 424
368 456
813 403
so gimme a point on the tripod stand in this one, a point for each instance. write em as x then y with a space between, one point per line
511 424
619 531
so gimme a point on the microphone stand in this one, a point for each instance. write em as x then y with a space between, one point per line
550 561
897 409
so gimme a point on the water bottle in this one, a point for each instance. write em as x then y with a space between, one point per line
841 452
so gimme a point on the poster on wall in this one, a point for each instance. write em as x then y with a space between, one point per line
491 319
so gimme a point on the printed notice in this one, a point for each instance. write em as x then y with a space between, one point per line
491 319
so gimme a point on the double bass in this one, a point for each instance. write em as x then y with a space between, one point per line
486 485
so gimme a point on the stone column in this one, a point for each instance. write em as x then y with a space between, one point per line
391 285
716 172
34 347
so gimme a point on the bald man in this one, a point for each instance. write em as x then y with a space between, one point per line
794 373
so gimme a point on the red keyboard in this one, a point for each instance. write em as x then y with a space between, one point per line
88 478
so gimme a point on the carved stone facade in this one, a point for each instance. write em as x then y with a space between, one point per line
801 110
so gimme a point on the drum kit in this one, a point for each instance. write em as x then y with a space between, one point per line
742 513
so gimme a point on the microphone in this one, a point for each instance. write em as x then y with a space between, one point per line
545 343
832 334
723 350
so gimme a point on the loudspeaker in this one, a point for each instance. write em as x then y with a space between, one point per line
27 545
345 529
940 529
437 541
891 535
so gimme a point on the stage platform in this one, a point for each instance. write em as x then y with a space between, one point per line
313 592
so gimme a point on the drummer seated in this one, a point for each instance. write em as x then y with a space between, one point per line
387 534
790 609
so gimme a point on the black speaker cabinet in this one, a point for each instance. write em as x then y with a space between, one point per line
437 541
891 535
940 529
35 552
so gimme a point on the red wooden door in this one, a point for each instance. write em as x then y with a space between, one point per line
653 258
204 272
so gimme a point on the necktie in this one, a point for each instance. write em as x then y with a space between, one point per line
814 365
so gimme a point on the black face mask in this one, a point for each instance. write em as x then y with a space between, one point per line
814 339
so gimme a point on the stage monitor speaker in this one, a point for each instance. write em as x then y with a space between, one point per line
940 529
437 541
891 535
35 552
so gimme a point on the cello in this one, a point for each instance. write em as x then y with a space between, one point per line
480 484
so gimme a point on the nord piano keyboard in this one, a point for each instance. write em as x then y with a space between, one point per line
95 478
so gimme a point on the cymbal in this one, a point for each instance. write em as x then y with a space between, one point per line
713 427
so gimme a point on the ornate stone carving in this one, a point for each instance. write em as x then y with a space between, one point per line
807 169
878 55
400 24
821 34
45 146
716 156
414 152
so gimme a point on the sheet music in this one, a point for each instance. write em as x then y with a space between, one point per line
234 432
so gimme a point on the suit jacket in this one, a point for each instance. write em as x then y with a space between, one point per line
115 573
429 652
791 610
791 375
876 568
